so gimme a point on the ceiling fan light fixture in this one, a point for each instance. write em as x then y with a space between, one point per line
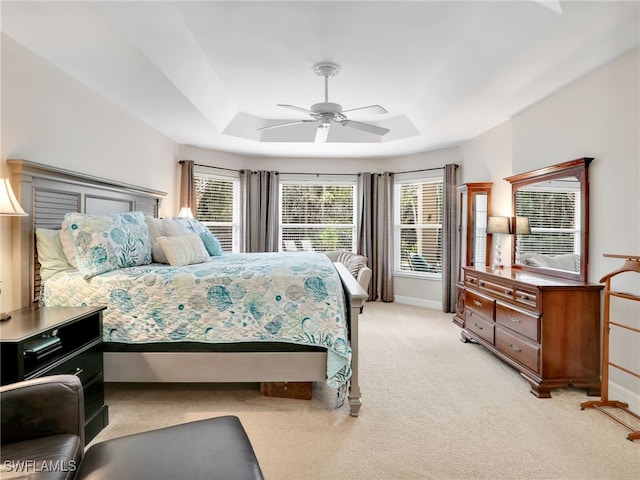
326 70
325 113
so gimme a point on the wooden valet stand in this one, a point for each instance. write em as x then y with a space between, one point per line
631 264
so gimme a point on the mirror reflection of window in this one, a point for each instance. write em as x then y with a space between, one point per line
480 229
553 210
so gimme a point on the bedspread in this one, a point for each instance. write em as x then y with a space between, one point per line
255 297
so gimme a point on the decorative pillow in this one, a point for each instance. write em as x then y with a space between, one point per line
174 227
156 227
183 226
105 242
67 245
184 249
353 262
50 254
156 230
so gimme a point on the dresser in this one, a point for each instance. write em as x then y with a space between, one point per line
547 328
51 341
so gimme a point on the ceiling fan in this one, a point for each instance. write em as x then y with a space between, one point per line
327 114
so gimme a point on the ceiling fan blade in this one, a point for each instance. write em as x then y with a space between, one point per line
366 127
371 109
297 122
322 133
297 109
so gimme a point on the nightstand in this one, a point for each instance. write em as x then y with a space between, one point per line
37 342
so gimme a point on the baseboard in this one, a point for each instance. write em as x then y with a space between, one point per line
616 392
417 302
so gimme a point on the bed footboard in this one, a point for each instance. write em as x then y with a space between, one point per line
355 296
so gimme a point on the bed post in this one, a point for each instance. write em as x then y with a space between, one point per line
355 297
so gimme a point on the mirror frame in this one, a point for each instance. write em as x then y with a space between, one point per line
578 168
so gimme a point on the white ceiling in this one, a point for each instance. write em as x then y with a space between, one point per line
210 73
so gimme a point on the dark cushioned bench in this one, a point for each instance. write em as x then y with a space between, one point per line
216 448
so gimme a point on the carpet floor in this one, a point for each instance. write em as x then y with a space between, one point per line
433 408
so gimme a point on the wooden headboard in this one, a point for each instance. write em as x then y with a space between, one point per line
47 193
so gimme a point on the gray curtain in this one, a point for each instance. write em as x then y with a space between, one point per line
259 195
375 231
449 238
187 186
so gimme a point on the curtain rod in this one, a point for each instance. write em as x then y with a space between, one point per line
316 174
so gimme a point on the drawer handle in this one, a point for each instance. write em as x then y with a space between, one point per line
77 372
476 302
479 327
515 348
514 319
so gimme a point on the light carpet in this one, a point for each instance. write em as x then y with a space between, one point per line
434 408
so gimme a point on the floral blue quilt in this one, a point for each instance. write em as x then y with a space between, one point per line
290 297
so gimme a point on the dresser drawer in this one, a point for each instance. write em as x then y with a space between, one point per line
527 299
518 348
470 280
478 325
498 290
524 323
482 306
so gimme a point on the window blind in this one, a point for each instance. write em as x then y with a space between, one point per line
553 219
419 214
317 216
218 208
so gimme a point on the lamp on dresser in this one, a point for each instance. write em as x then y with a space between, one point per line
500 226
9 207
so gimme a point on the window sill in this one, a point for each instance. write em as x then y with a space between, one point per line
420 276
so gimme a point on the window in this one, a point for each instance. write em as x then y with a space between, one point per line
553 212
317 215
218 201
418 225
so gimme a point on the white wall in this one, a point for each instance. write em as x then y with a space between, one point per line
52 119
597 116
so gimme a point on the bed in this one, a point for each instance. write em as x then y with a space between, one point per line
299 324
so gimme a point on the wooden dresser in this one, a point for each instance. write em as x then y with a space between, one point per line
548 328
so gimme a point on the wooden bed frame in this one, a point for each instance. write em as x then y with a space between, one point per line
47 193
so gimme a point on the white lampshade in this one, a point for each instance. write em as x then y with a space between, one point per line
185 212
522 226
9 206
499 225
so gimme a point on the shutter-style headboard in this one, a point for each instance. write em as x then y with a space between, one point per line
47 193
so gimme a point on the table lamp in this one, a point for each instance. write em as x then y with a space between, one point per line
9 207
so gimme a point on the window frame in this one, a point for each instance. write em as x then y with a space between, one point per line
318 179
235 224
422 177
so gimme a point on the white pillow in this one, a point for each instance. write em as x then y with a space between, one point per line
174 227
184 226
50 253
184 249
156 230
155 226
67 245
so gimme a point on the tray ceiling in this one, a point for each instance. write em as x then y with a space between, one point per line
210 74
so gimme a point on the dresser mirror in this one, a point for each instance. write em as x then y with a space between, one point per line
554 201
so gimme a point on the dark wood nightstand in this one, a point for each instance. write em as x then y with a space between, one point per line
58 340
